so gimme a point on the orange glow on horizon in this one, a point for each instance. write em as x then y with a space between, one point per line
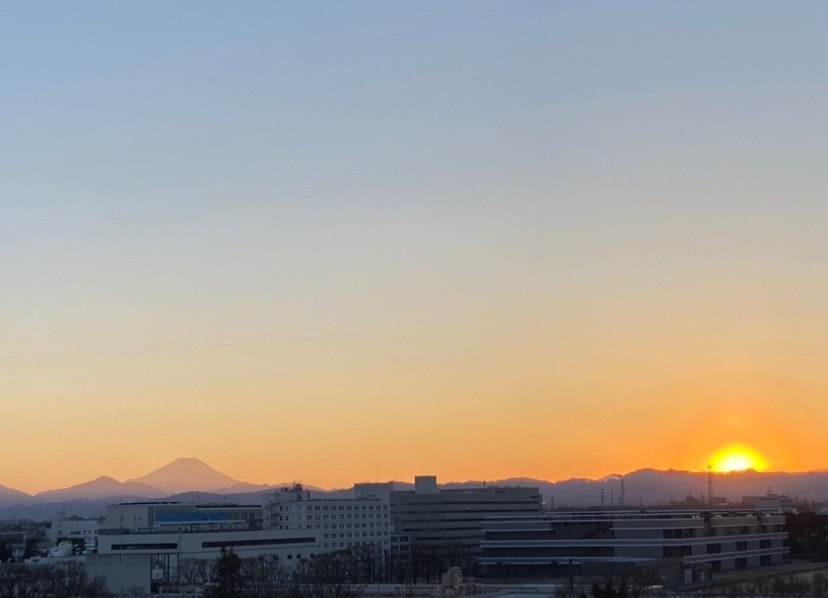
737 457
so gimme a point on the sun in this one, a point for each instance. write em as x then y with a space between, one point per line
737 457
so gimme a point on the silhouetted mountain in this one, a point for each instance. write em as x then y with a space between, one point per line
11 496
186 474
650 486
197 482
102 487
240 498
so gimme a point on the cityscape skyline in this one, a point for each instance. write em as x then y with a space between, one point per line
185 474
366 241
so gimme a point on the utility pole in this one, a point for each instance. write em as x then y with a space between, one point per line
710 496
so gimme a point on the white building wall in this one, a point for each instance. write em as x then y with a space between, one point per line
74 528
338 523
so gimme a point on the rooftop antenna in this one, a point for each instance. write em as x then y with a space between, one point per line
710 485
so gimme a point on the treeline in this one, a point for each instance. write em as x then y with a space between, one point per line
329 574
791 586
64 580
808 535
321 576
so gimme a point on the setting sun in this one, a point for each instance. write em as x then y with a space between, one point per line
737 457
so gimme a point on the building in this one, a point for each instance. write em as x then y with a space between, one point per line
340 523
76 530
679 547
451 519
770 502
143 546
141 517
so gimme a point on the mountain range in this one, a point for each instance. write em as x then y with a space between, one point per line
191 480
186 474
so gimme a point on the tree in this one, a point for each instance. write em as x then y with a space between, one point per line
323 576
195 571
808 534
264 576
228 578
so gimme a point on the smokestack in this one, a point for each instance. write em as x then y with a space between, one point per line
623 500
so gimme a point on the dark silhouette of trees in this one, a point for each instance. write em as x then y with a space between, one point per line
609 590
808 535
773 587
264 577
324 576
195 571
64 580
227 576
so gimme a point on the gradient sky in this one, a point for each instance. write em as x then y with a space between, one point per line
357 241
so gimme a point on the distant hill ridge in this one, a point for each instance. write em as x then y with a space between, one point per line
187 473
190 479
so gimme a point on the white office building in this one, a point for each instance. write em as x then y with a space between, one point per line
339 524
75 529
143 546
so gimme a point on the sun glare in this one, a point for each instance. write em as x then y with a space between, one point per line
737 457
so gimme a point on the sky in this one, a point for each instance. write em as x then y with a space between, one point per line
339 242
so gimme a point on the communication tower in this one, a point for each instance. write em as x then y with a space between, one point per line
710 485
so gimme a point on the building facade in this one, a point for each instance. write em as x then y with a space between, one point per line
143 546
74 529
339 524
681 547
452 519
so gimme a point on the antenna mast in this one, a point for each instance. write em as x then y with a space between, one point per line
710 485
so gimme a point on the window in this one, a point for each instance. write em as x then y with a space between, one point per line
741 563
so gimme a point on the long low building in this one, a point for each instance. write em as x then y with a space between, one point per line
679 547
147 545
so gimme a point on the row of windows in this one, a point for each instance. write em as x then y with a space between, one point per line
146 546
341 545
347 526
355 534
346 507
341 516
257 542
348 544
333 507
740 546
